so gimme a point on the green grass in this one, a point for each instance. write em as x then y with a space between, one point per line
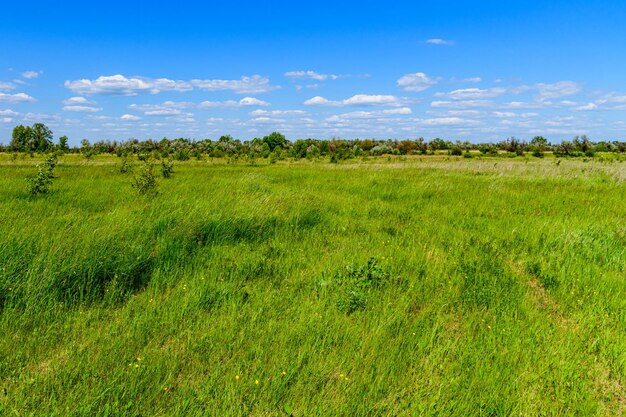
392 286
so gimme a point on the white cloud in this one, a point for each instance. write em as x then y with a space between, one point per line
8 112
462 104
442 121
76 100
610 101
312 75
369 100
589 106
167 108
505 114
129 117
29 75
438 41
264 120
82 109
320 101
16 98
278 113
369 114
472 80
120 85
245 85
4 86
244 102
416 82
474 93
557 90
358 100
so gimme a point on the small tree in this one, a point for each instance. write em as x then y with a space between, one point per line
40 184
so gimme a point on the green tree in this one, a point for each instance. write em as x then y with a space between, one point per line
22 138
41 138
63 146
275 140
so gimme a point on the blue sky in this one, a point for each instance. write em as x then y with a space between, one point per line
468 70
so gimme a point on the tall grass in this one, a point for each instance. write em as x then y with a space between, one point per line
432 286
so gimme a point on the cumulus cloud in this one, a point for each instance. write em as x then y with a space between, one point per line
312 75
415 82
264 120
82 109
8 112
557 90
358 100
167 108
442 121
369 114
278 113
76 100
129 117
16 98
474 93
121 85
462 104
244 102
29 75
320 101
245 85
4 86
610 101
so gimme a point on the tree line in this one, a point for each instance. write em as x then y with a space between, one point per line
38 138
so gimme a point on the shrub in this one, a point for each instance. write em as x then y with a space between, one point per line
125 166
40 184
167 168
456 151
144 182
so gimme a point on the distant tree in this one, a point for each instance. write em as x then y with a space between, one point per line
275 140
582 143
539 141
22 138
439 144
538 145
41 138
63 144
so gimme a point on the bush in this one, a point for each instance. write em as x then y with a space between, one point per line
41 183
456 151
167 169
145 183
125 166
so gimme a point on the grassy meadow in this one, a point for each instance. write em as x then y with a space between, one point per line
400 286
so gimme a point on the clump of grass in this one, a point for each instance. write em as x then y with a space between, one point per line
357 283
40 184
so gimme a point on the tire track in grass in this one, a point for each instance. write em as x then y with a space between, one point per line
608 391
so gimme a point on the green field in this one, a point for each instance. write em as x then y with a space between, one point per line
389 286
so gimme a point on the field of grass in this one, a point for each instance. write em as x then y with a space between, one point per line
392 287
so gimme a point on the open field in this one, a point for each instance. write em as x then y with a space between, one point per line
392 286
